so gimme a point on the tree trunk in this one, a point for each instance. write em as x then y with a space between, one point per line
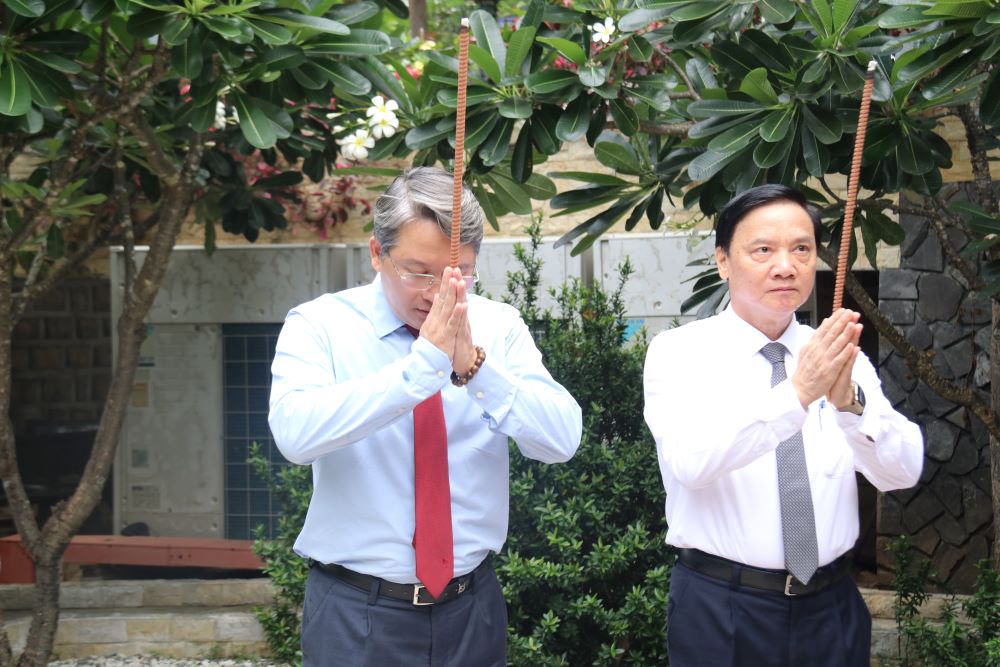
418 19
994 440
48 545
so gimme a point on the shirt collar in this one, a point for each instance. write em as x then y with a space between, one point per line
747 340
382 317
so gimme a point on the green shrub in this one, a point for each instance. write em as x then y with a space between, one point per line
291 486
947 641
585 569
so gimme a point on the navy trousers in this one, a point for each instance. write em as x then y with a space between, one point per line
344 626
712 624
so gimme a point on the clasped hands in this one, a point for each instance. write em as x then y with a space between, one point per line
447 323
826 361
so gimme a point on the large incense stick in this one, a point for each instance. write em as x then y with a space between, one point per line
456 197
852 188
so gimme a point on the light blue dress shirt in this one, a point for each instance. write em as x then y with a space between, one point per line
346 377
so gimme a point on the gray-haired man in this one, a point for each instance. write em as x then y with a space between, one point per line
402 395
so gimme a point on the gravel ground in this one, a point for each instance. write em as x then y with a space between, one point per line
152 661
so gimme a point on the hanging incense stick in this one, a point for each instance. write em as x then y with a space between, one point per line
456 198
852 188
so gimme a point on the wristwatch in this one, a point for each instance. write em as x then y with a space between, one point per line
857 405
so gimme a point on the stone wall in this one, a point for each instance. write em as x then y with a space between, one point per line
948 514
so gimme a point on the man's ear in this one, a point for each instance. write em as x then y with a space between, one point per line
722 262
376 253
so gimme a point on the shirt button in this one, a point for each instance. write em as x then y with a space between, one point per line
480 394
440 374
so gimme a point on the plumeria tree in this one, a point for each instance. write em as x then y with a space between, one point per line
121 119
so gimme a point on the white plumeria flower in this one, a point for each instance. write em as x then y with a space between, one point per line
604 31
381 109
220 115
355 147
384 127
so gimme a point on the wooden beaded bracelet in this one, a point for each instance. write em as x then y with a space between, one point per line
462 380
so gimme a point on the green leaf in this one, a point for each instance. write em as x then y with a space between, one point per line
15 90
618 156
515 107
487 33
590 177
776 125
29 8
55 62
510 194
358 43
989 108
270 33
540 187
255 125
187 58
592 75
699 10
522 161
55 245
474 96
496 146
548 81
362 170
902 17
574 121
913 154
824 124
777 11
478 128
428 134
96 11
297 20
641 18
63 42
639 48
708 164
484 60
735 59
626 120
756 85
48 87
343 76
769 154
569 49
177 30
147 23
356 12
518 49
812 153
709 108
735 139
543 130
282 57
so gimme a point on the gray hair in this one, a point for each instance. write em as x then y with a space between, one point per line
425 193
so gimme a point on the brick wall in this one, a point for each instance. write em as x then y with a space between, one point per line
62 358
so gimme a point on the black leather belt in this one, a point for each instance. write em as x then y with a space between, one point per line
769 580
415 594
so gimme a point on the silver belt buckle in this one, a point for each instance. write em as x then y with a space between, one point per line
788 586
416 596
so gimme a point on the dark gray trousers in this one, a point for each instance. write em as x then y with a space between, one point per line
713 624
344 626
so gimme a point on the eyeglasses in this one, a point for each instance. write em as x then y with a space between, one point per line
425 281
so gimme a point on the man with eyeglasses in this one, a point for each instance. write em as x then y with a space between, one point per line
402 395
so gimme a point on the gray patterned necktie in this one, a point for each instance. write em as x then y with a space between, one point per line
798 523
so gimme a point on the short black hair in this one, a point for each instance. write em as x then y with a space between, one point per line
739 206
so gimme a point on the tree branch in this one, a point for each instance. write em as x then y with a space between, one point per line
665 129
937 222
977 137
919 362
684 77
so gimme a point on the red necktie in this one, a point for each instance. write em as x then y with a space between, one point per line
432 539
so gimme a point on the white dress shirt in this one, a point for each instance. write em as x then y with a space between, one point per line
717 422
346 377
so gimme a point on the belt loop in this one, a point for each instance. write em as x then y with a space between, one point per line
734 577
373 593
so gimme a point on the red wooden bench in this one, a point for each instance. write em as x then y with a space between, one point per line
17 568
